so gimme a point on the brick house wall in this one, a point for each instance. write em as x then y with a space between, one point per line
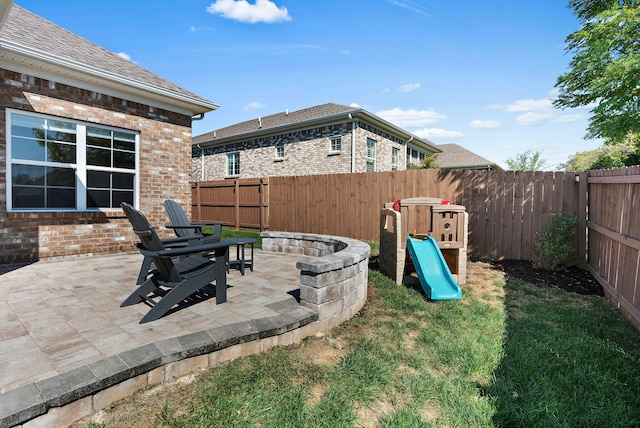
306 152
164 170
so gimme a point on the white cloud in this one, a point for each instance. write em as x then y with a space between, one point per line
243 11
485 124
438 134
409 87
355 105
411 117
253 106
528 105
566 118
533 118
124 55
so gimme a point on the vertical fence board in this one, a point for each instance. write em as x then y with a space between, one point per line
527 213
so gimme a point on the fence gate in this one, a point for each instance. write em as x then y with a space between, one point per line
241 204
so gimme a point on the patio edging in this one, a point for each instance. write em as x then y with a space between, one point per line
35 400
333 284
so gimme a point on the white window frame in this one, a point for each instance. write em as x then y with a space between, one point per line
233 164
279 151
371 155
395 158
80 166
335 144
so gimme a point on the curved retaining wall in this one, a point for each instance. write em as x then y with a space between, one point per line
333 280
333 286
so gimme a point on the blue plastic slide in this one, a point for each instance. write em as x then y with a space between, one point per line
433 272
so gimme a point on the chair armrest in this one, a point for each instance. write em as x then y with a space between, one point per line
180 240
181 251
192 225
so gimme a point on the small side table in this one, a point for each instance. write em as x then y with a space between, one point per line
242 261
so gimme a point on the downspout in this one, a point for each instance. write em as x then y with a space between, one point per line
353 144
200 116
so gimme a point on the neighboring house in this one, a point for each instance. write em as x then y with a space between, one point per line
455 156
81 130
325 139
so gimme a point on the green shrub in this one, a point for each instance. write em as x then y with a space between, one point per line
554 249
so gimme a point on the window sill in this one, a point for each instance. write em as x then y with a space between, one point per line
334 153
279 159
47 213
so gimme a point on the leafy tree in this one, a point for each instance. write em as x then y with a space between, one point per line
527 161
605 156
605 69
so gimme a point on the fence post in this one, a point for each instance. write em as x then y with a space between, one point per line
236 197
198 209
261 202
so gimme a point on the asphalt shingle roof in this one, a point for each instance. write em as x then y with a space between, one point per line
455 156
26 29
277 120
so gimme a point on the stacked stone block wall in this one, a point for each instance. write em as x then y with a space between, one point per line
164 170
333 282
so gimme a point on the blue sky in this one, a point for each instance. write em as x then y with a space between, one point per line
478 74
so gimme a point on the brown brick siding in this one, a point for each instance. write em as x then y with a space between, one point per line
307 152
164 170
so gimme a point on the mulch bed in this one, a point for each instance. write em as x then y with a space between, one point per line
571 279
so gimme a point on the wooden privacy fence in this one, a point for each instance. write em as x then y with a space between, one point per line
507 211
614 237
235 203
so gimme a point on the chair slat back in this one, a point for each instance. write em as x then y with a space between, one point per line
178 217
150 241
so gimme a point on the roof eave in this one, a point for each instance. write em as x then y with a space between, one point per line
51 64
407 135
475 166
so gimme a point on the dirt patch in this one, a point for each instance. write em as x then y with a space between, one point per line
574 280
321 351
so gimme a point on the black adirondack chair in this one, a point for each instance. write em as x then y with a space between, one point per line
187 233
178 272
184 228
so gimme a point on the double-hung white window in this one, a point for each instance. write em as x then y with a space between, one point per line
279 151
371 155
233 164
395 158
57 164
336 144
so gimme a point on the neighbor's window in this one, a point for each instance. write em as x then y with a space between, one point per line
414 156
280 151
61 165
395 156
336 144
371 155
233 164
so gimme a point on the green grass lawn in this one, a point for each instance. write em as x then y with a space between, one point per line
509 354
